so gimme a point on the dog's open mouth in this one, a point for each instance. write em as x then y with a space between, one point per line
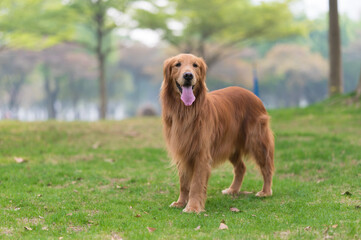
180 88
187 95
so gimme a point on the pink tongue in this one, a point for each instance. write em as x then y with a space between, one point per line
187 96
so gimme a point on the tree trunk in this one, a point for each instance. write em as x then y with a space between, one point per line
335 81
74 96
102 87
101 61
51 94
14 93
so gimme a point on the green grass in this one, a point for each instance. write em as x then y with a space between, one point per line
114 179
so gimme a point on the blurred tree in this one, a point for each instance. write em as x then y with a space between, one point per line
95 19
15 66
335 81
34 24
352 61
51 58
146 72
210 28
80 71
293 73
66 71
319 31
351 58
233 70
358 89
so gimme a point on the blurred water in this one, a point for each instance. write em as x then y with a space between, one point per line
84 112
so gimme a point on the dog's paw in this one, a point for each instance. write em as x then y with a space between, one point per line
177 204
264 194
193 209
229 191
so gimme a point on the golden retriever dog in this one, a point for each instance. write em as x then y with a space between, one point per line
205 129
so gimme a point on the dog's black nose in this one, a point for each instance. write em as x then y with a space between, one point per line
188 76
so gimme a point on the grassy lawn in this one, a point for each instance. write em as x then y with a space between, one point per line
109 180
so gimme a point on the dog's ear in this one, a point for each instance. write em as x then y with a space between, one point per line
167 68
203 67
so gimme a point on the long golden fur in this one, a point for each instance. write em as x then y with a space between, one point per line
226 124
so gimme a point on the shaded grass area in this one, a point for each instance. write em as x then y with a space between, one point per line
113 179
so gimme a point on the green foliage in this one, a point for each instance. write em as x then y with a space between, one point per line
35 24
293 73
95 21
43 23
192 25
319 33
104 179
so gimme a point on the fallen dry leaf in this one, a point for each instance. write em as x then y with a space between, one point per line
320 180
61 238
115 236
335 226
206 215
145 212
253 215
121 187
233 209
69 214
109 160
223 226
285 234
138 215
151 229
41 217
19 160
39 195
347 193
17 209
44 228
96 145
197 228
308 228
28 228
130 207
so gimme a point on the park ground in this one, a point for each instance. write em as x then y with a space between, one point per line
113 180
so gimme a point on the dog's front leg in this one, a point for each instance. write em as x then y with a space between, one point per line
185 177
198 186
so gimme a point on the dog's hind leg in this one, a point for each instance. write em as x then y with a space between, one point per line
239 169
262 150
265 162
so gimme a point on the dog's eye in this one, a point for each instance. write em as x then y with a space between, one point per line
195 65
178 64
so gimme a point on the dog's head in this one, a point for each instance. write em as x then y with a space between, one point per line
185 74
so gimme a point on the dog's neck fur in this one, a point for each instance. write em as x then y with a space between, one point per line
180 122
